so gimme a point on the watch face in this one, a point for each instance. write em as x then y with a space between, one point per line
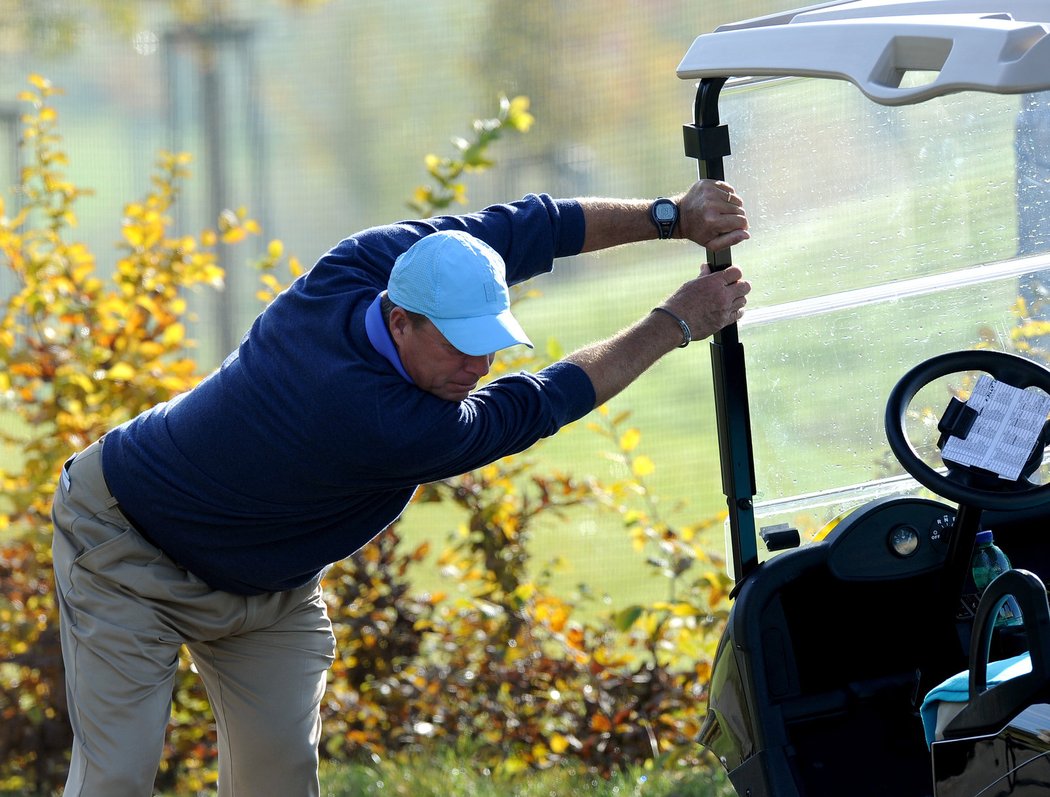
664 211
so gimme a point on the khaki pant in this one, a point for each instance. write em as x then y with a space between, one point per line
126 609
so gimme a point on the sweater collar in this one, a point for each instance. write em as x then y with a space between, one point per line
379 337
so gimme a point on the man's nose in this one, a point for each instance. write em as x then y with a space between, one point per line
478 364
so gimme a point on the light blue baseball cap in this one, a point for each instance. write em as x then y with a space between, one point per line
459 283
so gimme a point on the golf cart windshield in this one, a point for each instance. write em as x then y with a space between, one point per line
893 218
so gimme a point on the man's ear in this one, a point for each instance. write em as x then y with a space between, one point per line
399 322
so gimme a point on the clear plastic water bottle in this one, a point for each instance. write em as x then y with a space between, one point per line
988 562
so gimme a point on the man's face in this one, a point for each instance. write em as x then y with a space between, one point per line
434 364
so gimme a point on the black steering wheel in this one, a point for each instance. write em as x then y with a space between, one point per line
1009 368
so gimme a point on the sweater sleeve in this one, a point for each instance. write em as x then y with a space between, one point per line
528 234
437 439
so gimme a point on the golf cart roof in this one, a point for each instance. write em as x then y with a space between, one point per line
999 46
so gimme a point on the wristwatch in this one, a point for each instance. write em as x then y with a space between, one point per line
664 213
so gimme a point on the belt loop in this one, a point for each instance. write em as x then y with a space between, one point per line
112 502
95 449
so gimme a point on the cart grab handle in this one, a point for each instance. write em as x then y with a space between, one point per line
989 52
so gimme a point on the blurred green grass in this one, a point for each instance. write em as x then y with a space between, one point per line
448 772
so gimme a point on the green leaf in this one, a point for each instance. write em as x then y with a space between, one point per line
625 618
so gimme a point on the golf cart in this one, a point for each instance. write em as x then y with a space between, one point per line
886 305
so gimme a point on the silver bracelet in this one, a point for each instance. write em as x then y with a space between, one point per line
687 334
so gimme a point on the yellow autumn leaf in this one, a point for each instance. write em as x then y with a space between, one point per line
275 249
554 349
121 372
629 440
133 235
559 744
642 466
514 764
525 591
518 115
234 235
174 334
421 194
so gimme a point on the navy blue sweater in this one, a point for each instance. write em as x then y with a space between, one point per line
307 442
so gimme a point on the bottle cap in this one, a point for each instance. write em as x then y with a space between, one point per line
984 537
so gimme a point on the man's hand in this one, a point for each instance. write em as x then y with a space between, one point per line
711 301
712 215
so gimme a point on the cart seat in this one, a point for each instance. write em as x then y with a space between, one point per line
948 699
989 705
989 727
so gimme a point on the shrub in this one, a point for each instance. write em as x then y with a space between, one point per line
82 354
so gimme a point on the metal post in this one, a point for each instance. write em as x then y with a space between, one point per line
208 44
708 141
10 117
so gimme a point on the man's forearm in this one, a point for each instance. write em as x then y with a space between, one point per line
614 363
699 308
612 222
710 214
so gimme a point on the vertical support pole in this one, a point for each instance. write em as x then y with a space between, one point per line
10 122
708 141
214 46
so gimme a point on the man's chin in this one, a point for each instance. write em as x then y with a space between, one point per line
457 392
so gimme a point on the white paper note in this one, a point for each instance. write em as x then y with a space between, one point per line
1005 431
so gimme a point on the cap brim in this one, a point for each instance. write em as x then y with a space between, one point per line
483 334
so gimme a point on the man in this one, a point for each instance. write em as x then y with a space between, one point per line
209 519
